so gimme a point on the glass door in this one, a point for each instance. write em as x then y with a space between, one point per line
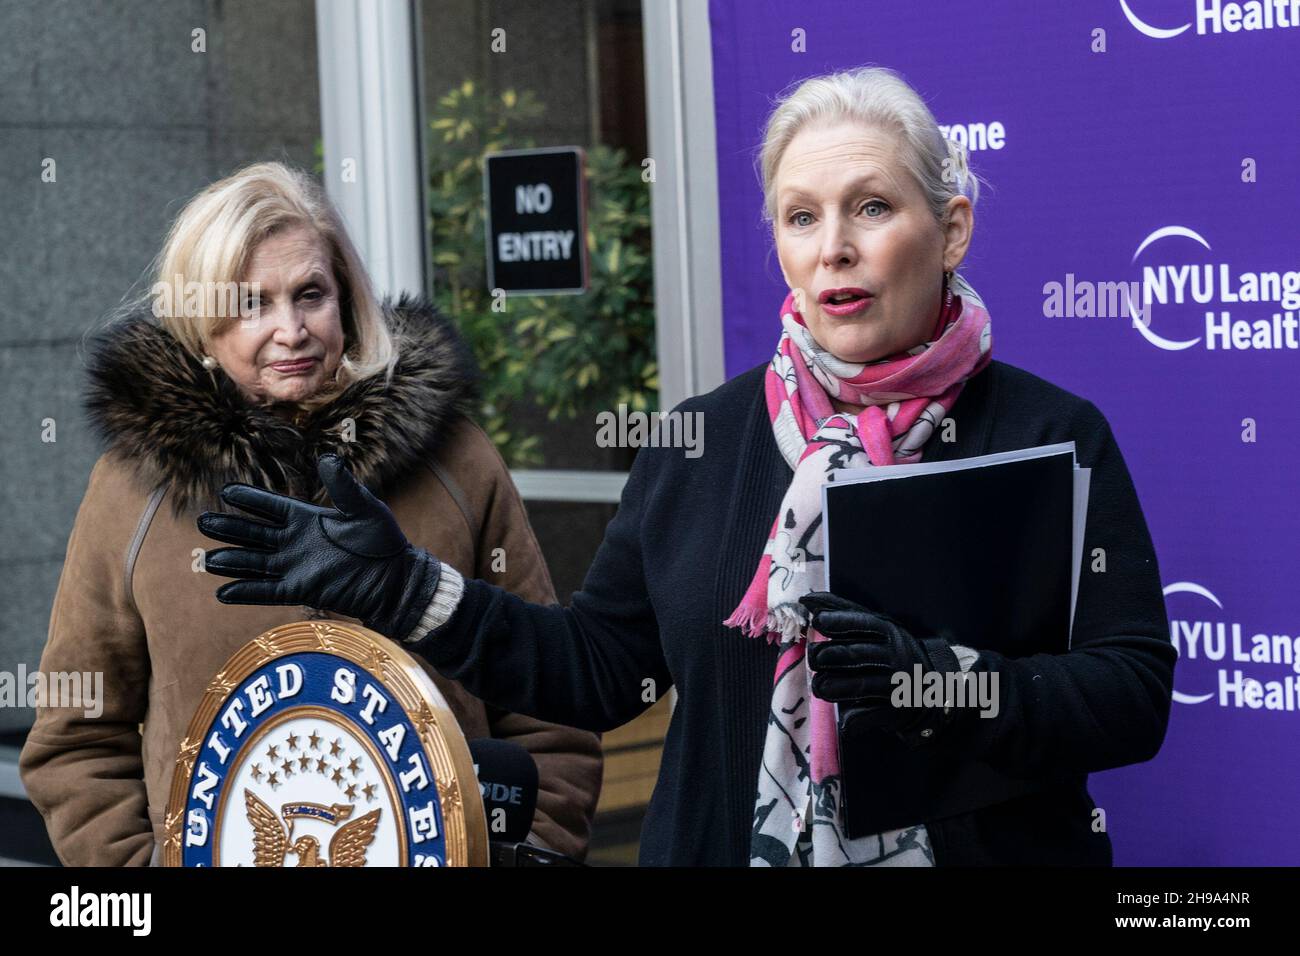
503 76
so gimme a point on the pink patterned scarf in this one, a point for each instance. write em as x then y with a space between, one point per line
903 398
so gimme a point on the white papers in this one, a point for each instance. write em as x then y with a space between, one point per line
1082 480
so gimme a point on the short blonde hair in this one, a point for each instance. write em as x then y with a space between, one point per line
212 241
879 97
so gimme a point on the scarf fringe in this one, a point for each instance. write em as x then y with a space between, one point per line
788 620
752 621
784 623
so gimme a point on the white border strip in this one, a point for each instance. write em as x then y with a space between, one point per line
684 198
601 487
11 785
366 57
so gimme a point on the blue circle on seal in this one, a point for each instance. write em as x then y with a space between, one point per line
309 683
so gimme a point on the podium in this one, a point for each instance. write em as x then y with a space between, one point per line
322 743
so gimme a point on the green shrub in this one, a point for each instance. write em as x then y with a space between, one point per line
568 354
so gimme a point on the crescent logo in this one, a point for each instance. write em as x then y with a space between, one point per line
1146 29
1172 345
1187 587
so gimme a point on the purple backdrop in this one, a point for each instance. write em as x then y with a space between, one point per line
1119 166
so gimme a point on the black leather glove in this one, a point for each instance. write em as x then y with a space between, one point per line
352 559
855 666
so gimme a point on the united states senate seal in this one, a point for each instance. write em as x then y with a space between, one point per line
320 743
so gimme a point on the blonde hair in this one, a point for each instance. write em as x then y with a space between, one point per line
879 97
212 242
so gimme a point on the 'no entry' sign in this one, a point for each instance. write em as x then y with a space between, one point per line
536 221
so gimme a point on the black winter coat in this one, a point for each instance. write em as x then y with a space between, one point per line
676 560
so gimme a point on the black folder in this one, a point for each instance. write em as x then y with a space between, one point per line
981 551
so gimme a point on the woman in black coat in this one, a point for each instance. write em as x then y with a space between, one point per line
872 214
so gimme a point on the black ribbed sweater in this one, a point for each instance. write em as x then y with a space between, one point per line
676 560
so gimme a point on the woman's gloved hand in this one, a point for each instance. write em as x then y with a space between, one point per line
855 667
352 559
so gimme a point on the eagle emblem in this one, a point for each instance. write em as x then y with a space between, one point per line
273 840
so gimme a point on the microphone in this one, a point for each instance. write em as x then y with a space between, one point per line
507 779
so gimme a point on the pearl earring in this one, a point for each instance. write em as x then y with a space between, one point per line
209 362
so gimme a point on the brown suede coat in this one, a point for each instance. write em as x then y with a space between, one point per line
133 601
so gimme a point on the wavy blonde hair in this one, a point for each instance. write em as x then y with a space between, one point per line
212 242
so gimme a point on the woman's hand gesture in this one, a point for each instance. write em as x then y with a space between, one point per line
352 559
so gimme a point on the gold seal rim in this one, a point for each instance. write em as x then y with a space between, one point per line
464 821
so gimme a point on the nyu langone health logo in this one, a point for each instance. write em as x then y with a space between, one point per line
1215 16
1214 284
1243 681
977 136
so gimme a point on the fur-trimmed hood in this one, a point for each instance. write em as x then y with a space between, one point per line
179 424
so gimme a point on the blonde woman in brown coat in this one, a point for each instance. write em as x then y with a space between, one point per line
185 403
